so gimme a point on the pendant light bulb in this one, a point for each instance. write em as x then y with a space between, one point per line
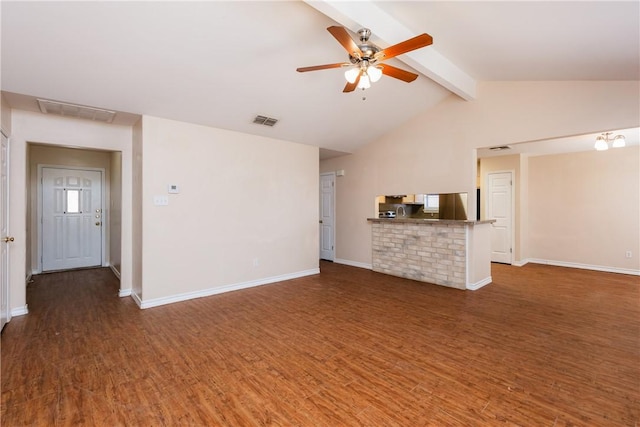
618 141
374 73
601 144
352 74
364 82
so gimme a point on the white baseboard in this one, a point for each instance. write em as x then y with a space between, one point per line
115 271
219 290
585 266
479 284
124 293
19 311
521 262
353 263
137 299
28 278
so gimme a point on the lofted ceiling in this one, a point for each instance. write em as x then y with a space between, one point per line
221 63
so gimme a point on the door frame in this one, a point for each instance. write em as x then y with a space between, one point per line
333 215
513 206
39 219
4 280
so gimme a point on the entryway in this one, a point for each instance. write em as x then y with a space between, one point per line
71 218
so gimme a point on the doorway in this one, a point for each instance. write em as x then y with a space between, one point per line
327 215
500 208
4 232
71 217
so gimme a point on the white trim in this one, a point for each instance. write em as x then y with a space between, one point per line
115 271
6 273
478 285
19 311
222 289
585 266
28 278
121 292
39 208
353 263
521 263
137 299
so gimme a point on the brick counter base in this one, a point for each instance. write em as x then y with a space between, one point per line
428 252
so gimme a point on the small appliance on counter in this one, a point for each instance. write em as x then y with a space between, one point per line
387 214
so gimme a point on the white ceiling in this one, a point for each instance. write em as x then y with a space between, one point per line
570 144
221 63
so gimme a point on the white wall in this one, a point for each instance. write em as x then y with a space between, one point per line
584 209
435 152
247 210
28 127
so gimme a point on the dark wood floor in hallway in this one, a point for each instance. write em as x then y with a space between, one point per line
540 346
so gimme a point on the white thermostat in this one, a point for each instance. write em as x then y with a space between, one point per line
173 189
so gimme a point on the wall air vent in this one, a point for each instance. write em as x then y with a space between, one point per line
264 120
501 148
77 111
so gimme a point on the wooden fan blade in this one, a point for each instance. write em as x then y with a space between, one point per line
403 47
343 37
320 67
398 73
350 87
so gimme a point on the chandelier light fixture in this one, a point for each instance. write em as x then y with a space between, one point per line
602 141
367 72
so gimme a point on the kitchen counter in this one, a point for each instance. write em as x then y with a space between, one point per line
427 220
446 252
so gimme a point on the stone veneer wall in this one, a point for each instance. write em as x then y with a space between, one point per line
428 252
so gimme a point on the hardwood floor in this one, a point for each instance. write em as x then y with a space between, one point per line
540 346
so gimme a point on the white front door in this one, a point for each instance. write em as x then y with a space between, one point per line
327 198
4 232
499 207
71 218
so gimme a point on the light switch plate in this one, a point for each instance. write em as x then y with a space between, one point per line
161 200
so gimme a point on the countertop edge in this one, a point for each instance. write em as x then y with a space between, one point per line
432 221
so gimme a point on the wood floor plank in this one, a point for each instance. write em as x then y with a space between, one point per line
540 346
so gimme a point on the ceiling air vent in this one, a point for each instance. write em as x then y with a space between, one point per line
78 111
264 120
501 148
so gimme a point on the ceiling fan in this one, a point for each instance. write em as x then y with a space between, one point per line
365 58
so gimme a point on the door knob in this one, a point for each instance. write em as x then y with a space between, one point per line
98 223
8 239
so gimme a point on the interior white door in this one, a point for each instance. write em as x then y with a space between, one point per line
327 199
499 207
71 218
4 232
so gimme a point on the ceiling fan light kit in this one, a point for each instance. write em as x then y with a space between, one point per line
602 141
363 58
